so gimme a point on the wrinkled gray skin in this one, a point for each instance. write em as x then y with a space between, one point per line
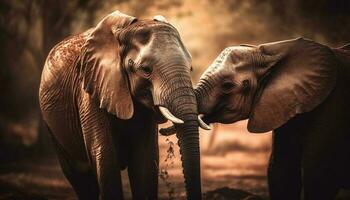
100 95
300 90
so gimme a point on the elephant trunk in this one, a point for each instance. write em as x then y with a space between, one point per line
204 90
201 92
190 156
183 105
188 140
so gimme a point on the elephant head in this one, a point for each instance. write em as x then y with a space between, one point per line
267 84
126 61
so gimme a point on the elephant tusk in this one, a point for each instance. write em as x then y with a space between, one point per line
202 124
167 114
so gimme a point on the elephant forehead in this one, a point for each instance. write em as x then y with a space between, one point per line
156 41
153 52
144 49
144 29
222 62
143 36
241 53
232 60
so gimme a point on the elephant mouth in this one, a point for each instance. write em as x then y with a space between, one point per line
144 96
218 113
162 114
160 119
172 129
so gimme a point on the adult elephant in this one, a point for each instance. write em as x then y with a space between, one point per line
300 90
101 95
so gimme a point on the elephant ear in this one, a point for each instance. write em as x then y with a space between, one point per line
101 70
302 76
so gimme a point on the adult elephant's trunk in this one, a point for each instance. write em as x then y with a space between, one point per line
182 104
189 148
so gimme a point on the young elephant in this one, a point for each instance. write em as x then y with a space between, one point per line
101 95
299 89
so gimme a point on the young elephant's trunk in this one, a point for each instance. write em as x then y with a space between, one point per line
201 92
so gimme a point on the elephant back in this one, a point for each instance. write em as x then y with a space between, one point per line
63 55
58 68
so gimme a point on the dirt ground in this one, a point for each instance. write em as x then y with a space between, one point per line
233 167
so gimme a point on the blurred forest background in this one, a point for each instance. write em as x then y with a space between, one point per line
30 28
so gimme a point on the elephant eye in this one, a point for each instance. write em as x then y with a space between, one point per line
146 69
245 85
227 86
130 62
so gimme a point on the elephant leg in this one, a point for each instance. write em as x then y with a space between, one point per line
319 184
321 163
80 176
320 173
284 171
83 181
143 164
103 156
